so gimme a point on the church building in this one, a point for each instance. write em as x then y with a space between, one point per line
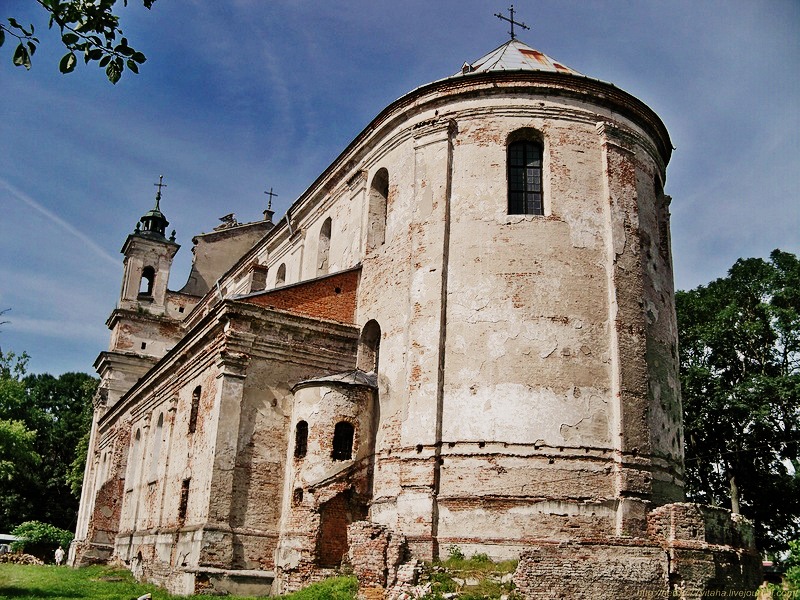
461 334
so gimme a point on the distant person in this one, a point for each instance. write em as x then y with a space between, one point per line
60 556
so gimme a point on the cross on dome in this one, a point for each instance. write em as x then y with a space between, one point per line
511 20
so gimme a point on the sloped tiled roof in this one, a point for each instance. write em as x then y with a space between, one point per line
515 55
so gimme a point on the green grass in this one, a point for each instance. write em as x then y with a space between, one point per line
452 574
30 582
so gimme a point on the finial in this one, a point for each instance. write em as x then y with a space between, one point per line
271 194
172 236
159 185
511 20
138 227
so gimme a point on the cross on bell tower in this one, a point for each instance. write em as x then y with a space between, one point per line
154 223
511 20
269 212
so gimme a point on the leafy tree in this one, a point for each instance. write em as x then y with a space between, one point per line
58 410
16 449
792 565
76 469
88 29
40 539
740 375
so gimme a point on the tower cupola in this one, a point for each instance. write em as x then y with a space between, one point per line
154 223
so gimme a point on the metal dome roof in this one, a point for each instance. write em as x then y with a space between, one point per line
515 55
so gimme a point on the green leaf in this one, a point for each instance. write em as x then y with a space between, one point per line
105 60
32 48
13 22
139 57
21 57
69 39
2 36
67 64
113 73
133 66
95 54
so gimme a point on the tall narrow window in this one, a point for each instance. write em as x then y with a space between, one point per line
147 281
133 461
195 409
525 178
301 439
343 441
157 441
280 276
183 502
324 247
378 199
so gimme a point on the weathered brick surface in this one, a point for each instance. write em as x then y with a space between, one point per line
332 297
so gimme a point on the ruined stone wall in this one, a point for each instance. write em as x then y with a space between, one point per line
689 552
207 498
324 490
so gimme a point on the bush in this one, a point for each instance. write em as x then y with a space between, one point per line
40 539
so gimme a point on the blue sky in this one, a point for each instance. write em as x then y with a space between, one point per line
240 96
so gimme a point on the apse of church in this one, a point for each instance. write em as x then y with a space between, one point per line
462 333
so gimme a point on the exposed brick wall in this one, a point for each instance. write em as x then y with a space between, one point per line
691 551
335 516
574 571
332 297
107 508
375 554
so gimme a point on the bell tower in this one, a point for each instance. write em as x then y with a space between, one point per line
148 259
143 326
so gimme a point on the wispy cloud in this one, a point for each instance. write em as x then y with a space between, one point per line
54 218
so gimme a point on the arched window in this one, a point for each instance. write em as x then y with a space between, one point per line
147 281
157 441
280 276
525 177
369 347
343 441
195 409
301 439
324 247
378 198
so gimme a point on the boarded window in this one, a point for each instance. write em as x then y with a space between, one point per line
343 441
301 439
525 178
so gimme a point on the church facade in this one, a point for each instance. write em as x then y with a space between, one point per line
462 333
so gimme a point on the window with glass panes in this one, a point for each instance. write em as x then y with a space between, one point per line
525 178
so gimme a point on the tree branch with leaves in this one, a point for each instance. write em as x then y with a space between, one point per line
89 29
